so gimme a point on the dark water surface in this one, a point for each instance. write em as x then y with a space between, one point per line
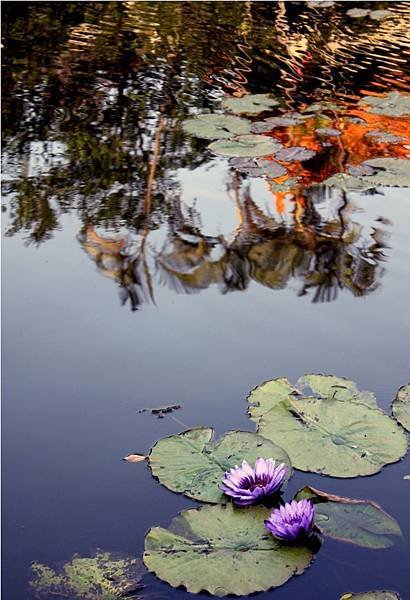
139 270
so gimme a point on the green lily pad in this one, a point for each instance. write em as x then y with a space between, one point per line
358 12
385 137
245 145
374 595
192 464
213 127
104 576
389 172
286 119
359 522
252 104
401 406
339 388
286 186
321 106
394 104
380 15
222 550
295 153
261 127
328 132
272 168
267 395
334 437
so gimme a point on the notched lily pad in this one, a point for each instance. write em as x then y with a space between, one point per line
359 522
247 166
295 153
380 15
339 432
395 104
192 464
358 12
252 104
222 550
387 172
328 132
373 595
245 145
401 406
385 137
104 576
212 127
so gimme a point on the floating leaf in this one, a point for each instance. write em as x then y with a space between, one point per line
272 168
394 104
385 137
246 165
295 153
380 15
134 458
285 186
401 406
358 12
216 126
360 170
261 127
245 145
328 132
104 576
268 395
252 104
338 388
359 522
334 437
222 550
374 595
286 120
387 172
192 464
321 106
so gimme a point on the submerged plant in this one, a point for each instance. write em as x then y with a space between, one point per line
247 485
291 521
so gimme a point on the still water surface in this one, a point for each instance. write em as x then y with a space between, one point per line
140 270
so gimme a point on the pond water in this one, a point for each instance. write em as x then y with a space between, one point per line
141 270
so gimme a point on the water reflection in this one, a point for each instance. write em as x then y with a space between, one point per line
92 123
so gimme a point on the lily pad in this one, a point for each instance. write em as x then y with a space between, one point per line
104 576
394 104
286 120
192 464
385 137
360 170
272 168
213 127
358 12
401 406
380 15
338 388
267 395
285 186
334 437
261 127
295 153
321 106
222 550
245 145
252 104
387 172
359 522
374 595
246 165
328 132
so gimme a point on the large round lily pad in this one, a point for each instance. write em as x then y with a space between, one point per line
192 464
252 104
401 406
213 127
339 388
222 550
334 437
103 576
394 104
359 522
245 145
374 595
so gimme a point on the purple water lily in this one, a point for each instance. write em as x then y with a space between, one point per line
291 521
247 485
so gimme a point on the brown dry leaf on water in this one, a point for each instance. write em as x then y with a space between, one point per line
135 458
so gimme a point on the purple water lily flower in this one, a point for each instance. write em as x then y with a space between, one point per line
291 521
247 485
